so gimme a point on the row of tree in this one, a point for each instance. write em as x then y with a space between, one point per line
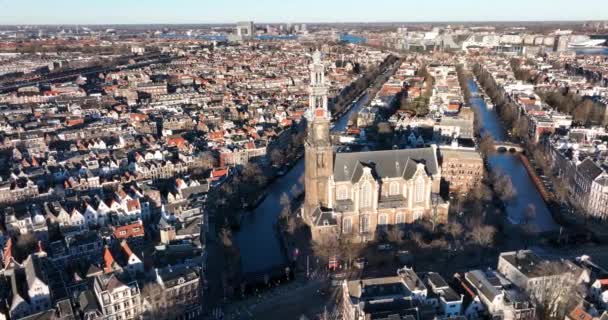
584 110
350 92
463 79
419 105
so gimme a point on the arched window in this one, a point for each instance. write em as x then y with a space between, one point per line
347 226
382 220
419 196
342 193
400 218
364 224
394 189
366 195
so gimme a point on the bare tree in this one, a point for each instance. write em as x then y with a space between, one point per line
521 128
455 230
226 237
486 145
439 244
481 193
395 235
207 160
483 235
561 191
285 202
252 173
276 157
503 186
326 246
349 249
295 191
352 120
530 213
418 239
150 291
530 229
582 111
287 220
558 292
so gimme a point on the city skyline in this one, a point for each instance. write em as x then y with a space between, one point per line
274 11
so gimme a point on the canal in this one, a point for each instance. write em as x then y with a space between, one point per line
258 239
511 165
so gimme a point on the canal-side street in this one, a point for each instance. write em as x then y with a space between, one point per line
511 165
257 239
260 247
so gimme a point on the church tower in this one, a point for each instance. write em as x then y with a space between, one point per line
318 156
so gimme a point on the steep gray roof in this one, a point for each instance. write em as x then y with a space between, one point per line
388 163
481 283
589 169
324 217
33 270
370 288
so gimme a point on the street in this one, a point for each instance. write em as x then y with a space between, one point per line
290 301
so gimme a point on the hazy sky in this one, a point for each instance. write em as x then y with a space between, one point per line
210 11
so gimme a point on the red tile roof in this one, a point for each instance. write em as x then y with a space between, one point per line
133 205
579 314
108 260
133 230
219 172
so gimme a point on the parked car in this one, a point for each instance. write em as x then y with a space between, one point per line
360 263
384 247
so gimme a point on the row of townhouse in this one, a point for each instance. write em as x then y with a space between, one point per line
515 290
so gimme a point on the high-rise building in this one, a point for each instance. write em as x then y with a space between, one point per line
245 29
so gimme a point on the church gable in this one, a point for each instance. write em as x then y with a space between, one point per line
385 164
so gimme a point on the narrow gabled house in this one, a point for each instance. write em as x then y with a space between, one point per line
134 265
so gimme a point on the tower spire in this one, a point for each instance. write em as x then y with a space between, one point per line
318 149
318 90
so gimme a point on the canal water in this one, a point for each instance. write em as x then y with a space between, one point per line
511 165
349 38
598 51
257 239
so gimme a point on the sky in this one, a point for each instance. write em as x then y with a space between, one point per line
228 11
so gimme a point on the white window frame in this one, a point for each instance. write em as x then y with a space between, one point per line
366 195
394 188
347 225
400 218
342 193
419 190
383 220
